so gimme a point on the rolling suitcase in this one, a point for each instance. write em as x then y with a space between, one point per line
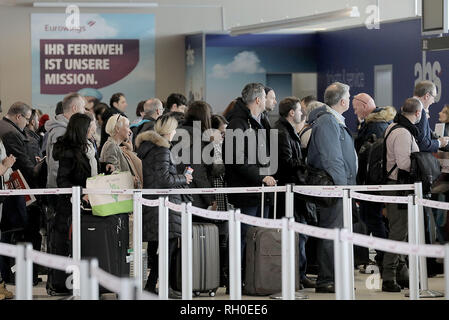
263 271
205 260
107 239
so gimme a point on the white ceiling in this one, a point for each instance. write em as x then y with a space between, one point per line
245 12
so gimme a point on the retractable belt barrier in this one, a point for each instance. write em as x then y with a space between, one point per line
343 239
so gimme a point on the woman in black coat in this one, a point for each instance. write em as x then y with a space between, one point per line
77 162
159 172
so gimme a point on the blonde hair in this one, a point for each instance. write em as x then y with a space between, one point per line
165 124
112 123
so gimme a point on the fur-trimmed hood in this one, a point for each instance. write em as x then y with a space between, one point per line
153 137
385 114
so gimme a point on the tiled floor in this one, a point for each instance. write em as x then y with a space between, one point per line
365 290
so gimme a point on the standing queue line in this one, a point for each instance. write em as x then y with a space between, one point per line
90 275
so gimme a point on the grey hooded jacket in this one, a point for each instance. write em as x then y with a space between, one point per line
55 129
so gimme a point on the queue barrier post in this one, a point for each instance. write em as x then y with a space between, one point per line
425 292
24 273
163 248
76 229
446 271
137 239
347 268
288 260
235 272
338 266
348 246
93 283
413 240
187 252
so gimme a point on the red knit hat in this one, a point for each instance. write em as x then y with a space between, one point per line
43 119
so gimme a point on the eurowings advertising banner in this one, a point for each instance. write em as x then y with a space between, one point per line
108 52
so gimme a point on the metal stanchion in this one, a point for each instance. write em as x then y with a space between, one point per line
288 261
84 280
425 292
76 223
93 283
127 289
338 270
347 269
137 239
24 273
446 271
413 240
347 223
235 273
163 249
187 252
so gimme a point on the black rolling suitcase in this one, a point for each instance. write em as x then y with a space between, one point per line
205 260
107 239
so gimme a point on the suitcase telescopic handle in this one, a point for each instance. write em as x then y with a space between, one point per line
262 205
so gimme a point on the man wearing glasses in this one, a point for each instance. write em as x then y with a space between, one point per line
14 138
426 92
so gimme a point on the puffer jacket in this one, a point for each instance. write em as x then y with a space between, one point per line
159 172
375 123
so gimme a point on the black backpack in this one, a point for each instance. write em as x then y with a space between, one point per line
372 161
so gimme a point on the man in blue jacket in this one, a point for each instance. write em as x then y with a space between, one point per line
331 149
426 92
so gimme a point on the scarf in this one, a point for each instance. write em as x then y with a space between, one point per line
403 121
92 159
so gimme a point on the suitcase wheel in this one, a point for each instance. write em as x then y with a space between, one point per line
212 293
196 293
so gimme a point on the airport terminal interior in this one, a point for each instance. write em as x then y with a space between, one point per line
344 108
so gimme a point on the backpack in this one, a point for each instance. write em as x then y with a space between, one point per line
372 161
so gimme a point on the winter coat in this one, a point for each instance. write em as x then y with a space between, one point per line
15 142
375 123
146 124
33 145
331 147
201 172
159 172
289 151
113 154
73 170
55 128
240 172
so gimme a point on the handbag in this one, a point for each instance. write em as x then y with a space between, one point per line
425 168
110 204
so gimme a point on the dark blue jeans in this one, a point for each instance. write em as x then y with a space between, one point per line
371 215
330 218
302 251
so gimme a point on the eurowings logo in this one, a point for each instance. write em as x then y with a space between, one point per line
428 71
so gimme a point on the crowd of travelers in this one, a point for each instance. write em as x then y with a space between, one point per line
87 137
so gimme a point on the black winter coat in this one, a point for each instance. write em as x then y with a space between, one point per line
201 171
159 172
74 169
289 151
148 125
246 174
16 143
